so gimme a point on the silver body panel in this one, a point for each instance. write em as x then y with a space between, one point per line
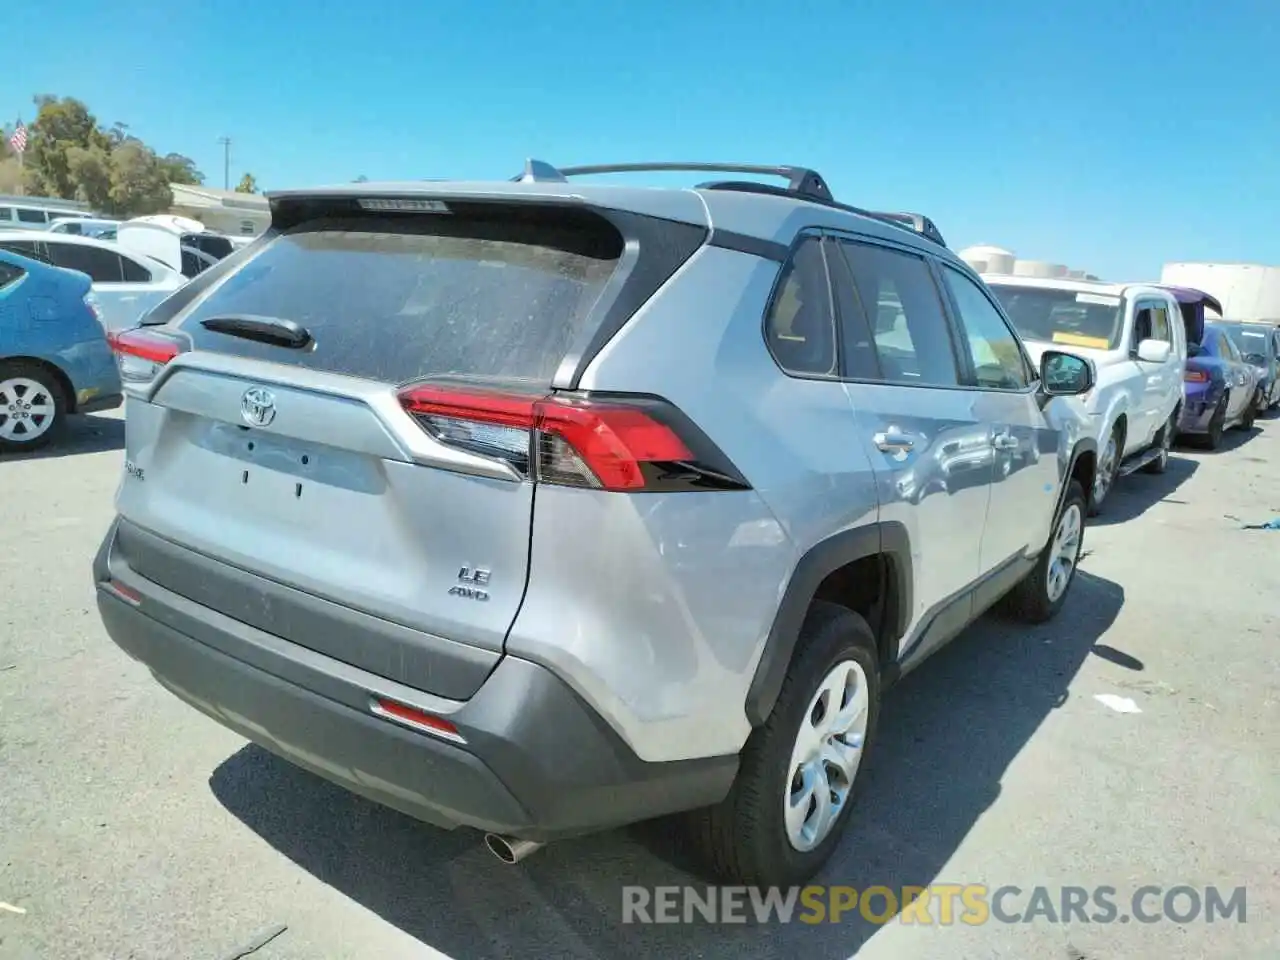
654 607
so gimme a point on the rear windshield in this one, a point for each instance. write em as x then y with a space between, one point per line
399 298
1064 317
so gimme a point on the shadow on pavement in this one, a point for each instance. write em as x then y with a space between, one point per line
80 434
948 733
1135 494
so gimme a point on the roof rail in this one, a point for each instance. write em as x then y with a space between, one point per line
915 221
802 183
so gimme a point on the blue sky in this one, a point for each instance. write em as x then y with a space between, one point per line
1111 136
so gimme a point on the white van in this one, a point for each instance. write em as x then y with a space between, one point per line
35 213
184 245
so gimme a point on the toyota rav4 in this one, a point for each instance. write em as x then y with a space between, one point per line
542 507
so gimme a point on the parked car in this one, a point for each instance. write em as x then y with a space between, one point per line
96 227
183 245
35 213
1221 388
54 357
1133 334
1259 344
124 285
328 537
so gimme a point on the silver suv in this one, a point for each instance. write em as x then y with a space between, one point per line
543 508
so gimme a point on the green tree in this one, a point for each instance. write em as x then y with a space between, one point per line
90 170
139 181
61 125
180 169
247 184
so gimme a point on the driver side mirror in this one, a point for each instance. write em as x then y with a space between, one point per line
1065 374
1257 359
1154 351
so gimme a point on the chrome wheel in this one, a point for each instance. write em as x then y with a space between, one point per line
1106 469
826 754
27 410
1065 551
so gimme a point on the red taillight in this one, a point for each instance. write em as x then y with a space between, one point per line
418 719
571 441
141 354
1195 376
611 441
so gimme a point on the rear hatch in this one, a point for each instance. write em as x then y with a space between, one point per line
296 459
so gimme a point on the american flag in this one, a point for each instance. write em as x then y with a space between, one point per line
19 139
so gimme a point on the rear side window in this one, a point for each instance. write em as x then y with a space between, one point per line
912 337
24 248
800 325
26 215
134 272
9 274
486 293
102 266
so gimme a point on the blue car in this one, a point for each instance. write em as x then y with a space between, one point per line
54 355
1220 388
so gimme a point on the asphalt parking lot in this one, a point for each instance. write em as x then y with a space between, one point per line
132 827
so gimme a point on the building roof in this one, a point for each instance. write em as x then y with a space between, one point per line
198 195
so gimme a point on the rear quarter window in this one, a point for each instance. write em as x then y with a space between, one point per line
403 298
9 274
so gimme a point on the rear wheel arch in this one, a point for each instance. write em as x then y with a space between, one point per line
866 569
56 372
1121 424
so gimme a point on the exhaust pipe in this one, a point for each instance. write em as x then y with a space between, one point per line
509 849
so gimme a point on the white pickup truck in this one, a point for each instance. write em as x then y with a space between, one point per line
1136 335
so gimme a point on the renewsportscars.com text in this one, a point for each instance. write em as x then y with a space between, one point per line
940 904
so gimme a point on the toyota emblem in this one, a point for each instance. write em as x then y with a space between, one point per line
258 406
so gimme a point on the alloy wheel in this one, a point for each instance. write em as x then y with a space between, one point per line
826 755
27 410
1065 552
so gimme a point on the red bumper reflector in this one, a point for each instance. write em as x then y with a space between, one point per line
120 591
415 718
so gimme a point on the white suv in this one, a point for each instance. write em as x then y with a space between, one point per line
1136 337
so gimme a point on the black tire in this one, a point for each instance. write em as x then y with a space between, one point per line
1217 424
48 389
743 839
1164 443
1250 413
1095 504
1029 601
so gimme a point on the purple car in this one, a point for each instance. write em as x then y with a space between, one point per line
1220 388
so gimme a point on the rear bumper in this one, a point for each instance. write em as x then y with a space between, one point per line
537 762
98 404
1197 408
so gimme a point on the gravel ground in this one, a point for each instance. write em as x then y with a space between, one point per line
132 827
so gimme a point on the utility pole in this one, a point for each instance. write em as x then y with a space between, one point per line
226 162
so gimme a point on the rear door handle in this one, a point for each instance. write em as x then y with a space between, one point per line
893 440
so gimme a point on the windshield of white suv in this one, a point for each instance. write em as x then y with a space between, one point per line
1063 317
